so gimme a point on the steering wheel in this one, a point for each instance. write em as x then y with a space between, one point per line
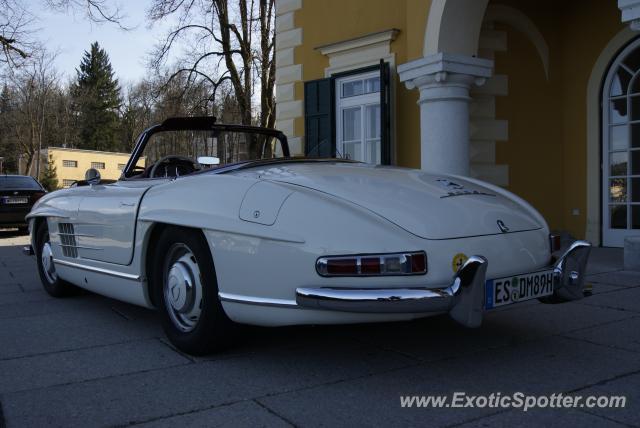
167 160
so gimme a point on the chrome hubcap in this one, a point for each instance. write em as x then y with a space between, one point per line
182 287
48 267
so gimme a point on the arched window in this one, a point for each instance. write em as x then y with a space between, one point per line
621 148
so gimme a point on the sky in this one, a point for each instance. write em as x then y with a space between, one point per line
70 34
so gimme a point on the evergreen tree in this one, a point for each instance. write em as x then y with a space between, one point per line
49 179
96 95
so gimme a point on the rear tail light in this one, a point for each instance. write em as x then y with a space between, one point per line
555 243
413 263
342 267
370 266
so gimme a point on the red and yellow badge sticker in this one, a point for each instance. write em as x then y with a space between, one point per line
458 261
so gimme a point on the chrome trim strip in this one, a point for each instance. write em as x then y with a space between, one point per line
98 270
260 301
72 234
80 246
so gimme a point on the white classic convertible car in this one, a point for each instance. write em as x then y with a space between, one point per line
216 224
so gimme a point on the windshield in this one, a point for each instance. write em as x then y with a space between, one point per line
22 183
182 152
228 147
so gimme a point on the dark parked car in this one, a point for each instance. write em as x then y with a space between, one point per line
18 193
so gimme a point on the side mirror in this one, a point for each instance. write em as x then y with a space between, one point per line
92 176
208 160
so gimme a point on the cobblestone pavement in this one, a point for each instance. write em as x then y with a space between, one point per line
93 361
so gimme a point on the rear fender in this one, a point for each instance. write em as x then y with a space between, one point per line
210 202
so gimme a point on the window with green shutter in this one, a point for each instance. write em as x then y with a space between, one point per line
318 118
348 115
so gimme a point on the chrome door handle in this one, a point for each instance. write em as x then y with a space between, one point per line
127 204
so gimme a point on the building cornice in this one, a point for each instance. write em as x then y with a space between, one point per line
379 37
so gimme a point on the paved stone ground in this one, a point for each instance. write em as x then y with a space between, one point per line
92 361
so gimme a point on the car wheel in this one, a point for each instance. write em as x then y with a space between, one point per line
186 293
52 284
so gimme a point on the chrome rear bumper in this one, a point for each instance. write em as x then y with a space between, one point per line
463 299
570 272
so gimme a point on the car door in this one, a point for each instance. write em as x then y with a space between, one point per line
106 223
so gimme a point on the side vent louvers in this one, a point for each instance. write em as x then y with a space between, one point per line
68 240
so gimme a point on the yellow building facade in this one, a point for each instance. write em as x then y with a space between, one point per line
536 96
71 164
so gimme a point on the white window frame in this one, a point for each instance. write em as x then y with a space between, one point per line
615 237
362 101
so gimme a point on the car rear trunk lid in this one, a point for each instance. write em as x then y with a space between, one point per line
428 205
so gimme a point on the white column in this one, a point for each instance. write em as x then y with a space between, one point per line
444 81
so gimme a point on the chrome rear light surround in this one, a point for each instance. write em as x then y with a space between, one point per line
403 263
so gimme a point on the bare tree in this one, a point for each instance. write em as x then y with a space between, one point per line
16 27
18 31
96 10
63 126
34 87
136 113
232 43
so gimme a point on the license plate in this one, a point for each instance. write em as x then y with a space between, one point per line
16 200
518 288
